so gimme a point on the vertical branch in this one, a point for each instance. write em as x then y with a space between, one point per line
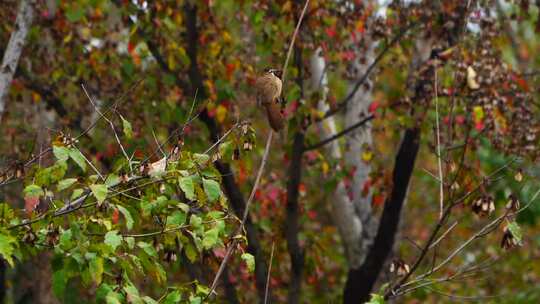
439 156
25 16
296 252
361 281
292 226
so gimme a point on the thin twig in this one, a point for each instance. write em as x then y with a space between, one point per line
289 52
339 134
443 235
110 124
364 77
158 144
221 139
439 156
231 247
268 274
90 164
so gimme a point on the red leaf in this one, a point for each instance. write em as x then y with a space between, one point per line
331 32
30 203
348 55
130 47
373 107
115 216
479 126
377 200
366 187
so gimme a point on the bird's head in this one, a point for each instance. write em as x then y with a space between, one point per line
276 72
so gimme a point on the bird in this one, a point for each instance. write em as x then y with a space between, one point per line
268 89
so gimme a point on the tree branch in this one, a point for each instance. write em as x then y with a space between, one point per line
360 281
292 228
340 134
343 104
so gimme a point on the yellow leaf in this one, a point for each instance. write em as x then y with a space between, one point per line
85 33
286 7
68 38
478 113
36 97
171 62
221 113
214 49
325 168
367 155
227 37
178 18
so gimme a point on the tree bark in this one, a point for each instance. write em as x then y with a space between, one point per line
361 281
296 252
25 17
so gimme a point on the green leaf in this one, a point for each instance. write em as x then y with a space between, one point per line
74 13
211 188
132 294
148 248
33 191
186 184
250 261
59 282
51 174
195 300
102 292
76 193
114 298
113 239
376 299
176 219
112 180
65 239
100 192
173 297
211 238
7 247
516 232
126 125
149 300
127 216
61 153
95 267
130 241
77 156
201 159
66 183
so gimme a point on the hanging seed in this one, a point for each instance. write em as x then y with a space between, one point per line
483 206
519 175
508 240
248 146
399 267
236 154
513 203
216 156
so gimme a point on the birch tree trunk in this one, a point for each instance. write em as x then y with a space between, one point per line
351 211
25 16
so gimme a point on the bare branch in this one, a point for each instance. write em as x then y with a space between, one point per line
340 134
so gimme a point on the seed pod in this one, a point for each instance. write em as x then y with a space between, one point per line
513 203
483 206
399 267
